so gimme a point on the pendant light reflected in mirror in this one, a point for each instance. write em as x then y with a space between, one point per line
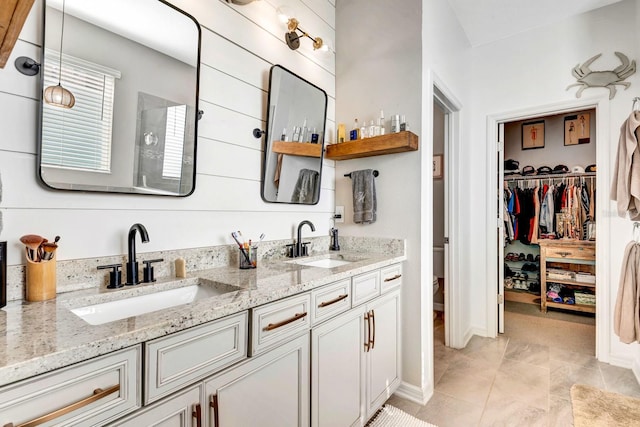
58 96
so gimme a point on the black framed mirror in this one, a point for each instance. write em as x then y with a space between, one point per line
294 139
133 68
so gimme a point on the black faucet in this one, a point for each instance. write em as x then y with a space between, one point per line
300 249
132 264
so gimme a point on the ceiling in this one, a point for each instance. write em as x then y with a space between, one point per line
485 21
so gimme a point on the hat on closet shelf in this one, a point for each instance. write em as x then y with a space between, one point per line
511 165
528 170
560 169
590 168
577 169
544 170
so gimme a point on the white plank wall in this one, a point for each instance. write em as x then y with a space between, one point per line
239 45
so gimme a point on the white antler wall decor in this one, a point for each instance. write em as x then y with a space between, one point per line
610 79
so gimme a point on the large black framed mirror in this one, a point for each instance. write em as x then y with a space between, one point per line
133 68
294 139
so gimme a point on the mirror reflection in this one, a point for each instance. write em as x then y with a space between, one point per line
133 68
294 139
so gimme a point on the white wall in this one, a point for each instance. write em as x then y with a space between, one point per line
533 69
385 70
239 45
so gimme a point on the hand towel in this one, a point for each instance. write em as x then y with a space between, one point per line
307 187
365 203
626 315
625 188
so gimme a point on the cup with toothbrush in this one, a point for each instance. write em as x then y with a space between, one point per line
248 253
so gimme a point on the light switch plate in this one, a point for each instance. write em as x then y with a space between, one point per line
339 212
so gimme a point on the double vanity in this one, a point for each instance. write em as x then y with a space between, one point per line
295 342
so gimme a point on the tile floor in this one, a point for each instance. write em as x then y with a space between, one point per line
509 381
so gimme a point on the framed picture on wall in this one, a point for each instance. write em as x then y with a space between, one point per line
533 135
438 167
577 129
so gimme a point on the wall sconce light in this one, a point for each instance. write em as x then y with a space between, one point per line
27 66
58 96
293 38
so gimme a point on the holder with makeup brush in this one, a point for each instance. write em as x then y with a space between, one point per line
41 280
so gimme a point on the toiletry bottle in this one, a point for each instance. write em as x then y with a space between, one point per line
303 133
372 129
314 136
341 133
395 123
363 130
296 134
355 132
403 123
381 123
283 137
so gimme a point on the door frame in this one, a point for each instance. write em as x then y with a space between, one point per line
603 242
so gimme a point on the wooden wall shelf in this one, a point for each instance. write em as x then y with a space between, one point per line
375 146
305 149
13 13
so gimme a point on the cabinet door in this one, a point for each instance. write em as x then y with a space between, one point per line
337 370
184 409
383 358
270 390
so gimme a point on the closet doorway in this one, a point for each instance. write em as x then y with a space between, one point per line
542 269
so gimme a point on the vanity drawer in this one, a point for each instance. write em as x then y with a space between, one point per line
90 393
573 252
390 277
365 287
330 300
180 359
279 321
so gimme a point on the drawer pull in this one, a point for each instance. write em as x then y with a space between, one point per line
214 406
197 414
389 279
564 254
333 301
97 395
373 321
272 326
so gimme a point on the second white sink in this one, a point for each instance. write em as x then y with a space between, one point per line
97 314
324 262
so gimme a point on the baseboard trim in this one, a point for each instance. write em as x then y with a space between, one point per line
413 393
635 368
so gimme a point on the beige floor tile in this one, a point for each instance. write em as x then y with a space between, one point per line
560 413
405 405
580 359
562 375
523 382
620 380
478 363
470 388
505 412
447 411
534 354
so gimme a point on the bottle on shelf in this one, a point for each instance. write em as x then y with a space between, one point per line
355 132
381 123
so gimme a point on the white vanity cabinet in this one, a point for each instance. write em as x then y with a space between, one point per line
269 390
90 393
183 409
355 357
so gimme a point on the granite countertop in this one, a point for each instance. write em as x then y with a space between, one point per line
39 337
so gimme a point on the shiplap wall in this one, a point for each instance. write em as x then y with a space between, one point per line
239 45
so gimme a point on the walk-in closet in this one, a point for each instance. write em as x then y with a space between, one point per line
548 189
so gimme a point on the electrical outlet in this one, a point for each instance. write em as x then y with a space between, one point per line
339 214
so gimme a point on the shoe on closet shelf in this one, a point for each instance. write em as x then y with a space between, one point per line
521 257
530 257
508 283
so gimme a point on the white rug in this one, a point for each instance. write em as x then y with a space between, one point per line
390 416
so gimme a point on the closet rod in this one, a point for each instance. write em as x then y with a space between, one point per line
375 173
550 176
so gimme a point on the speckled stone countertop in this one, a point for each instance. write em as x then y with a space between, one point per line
42 336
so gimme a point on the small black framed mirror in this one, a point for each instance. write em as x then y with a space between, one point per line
294 139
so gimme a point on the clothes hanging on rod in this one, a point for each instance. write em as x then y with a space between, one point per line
550 207
625 187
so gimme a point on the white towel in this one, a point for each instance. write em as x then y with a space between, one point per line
365 203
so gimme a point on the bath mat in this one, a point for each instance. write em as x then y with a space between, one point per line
390 416
593 407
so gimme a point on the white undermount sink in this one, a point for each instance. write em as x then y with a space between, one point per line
326 262
97 314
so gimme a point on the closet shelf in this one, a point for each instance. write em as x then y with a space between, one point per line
375 146
305 149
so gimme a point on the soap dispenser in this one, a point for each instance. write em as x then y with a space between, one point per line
335 245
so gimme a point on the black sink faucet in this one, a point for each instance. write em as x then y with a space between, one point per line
299 247
132 263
